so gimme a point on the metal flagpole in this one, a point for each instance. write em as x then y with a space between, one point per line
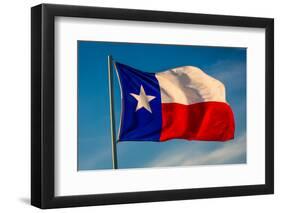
112 116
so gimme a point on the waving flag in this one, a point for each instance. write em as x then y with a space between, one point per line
182 102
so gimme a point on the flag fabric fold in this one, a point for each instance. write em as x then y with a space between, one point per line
179 103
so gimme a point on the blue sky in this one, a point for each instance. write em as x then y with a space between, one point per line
94 145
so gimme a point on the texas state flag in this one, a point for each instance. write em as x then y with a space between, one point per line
182 102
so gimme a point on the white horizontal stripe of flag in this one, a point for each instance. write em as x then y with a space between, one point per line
189 85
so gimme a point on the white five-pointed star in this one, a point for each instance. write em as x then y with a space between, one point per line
143 100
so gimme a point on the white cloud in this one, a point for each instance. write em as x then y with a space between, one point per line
224 154
95 160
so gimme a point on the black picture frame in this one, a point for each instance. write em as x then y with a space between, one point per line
43 113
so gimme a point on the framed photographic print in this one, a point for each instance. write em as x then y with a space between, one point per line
139 106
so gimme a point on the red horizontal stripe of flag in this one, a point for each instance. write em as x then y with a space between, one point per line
207 121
